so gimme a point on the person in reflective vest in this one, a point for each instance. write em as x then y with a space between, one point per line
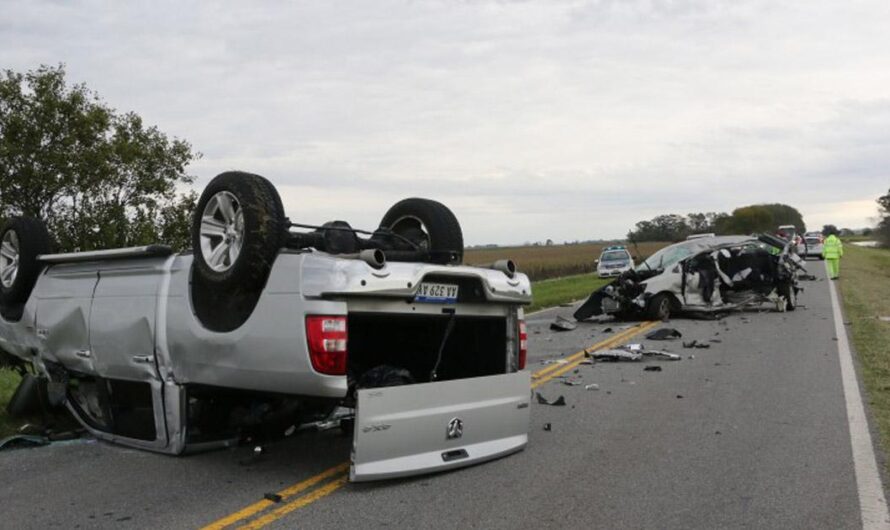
833 251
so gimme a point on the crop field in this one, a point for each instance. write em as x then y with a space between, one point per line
554 261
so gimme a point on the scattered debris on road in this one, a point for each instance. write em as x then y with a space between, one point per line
558 402
662 354
563 324
554 361
664 334
19 441
274 497
696 344
617 355
548 427
592 386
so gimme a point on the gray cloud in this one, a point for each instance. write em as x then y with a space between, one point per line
567 120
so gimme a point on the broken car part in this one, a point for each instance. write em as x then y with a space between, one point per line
617 355
558 402
664 334
563 324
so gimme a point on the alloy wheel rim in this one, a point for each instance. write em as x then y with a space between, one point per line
222 231
9 258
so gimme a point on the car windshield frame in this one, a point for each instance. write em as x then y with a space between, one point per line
673 254
668 256
613 256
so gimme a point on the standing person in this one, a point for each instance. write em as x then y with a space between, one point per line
833 251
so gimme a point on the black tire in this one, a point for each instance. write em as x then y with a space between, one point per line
263 231
31 239
660 307
788 293
428 224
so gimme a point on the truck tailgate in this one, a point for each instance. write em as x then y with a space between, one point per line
414 429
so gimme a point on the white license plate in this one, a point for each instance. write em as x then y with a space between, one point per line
436 293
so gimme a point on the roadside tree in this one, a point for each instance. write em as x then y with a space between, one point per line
883 229
97 177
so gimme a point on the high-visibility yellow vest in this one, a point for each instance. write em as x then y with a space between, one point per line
832 248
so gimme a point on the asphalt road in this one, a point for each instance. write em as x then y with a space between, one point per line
750 433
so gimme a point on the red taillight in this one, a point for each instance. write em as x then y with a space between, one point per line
326 336
523 344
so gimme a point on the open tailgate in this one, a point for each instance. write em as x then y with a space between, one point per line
415 429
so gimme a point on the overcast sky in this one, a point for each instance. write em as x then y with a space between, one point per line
531 120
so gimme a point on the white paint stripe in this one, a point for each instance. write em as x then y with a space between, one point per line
872 504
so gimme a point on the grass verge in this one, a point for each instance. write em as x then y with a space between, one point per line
9 381
548 293
865 286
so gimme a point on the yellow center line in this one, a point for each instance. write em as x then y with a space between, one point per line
296 504
541 376
577 358
290 491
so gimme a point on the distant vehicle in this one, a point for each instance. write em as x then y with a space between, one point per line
613 261
690 237
704 275
789 233
810 245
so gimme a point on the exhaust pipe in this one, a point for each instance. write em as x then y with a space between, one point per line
373 257
504 265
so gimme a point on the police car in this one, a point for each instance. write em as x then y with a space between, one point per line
613 261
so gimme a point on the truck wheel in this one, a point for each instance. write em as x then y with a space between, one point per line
659 307
237 230
22 240
428 224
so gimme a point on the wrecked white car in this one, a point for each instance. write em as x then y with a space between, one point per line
703 275
262 327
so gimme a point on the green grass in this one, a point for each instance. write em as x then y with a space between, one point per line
548 293
9 380
865 287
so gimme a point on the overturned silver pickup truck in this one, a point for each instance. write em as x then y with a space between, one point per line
263 327
703 275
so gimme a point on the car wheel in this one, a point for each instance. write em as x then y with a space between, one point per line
430 225
659 307
237 230
21 241
789 295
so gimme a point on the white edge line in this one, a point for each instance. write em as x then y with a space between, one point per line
872 504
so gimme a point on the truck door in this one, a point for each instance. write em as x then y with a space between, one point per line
123 321
64 298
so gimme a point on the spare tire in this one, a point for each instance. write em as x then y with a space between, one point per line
430 225
237 230
21 241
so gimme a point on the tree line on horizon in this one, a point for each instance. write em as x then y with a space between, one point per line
743 220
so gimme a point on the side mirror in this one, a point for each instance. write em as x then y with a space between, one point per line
635 258
596 262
